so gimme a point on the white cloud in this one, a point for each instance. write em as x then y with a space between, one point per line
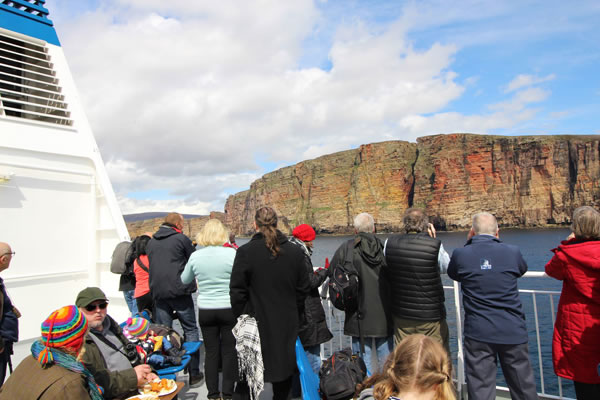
133 206
183 95
524 80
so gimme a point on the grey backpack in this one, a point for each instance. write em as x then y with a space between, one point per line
120 255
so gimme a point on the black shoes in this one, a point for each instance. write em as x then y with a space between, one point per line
173 360
173 352
195 379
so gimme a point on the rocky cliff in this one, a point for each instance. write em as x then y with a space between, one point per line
526 181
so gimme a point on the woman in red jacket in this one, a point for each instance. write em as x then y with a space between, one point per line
576 341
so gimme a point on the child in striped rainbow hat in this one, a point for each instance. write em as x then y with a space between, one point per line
155 350
55 359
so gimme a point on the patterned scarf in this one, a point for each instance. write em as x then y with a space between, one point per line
247 345
69 362
307 250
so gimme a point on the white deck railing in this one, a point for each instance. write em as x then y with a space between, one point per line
335 321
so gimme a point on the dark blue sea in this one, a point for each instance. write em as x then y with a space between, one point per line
535 245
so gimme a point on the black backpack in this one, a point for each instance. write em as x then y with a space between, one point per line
344 283
340 374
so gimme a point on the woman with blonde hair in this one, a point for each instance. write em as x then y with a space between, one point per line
419 368
211 266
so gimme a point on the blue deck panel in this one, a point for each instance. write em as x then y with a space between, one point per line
32 23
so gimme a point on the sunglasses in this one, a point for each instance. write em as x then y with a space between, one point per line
92 307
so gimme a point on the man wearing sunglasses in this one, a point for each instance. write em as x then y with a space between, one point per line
9 324
109 356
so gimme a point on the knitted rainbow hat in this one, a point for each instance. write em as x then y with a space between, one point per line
136 327
65 327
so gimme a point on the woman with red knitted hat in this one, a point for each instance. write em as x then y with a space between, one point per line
313 330
54 371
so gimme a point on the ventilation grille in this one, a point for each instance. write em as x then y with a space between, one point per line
29 88
31 8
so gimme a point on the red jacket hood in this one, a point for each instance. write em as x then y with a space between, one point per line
586 254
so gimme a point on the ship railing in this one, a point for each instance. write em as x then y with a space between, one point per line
538 350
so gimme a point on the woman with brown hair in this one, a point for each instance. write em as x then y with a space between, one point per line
575 345
419 368
269 283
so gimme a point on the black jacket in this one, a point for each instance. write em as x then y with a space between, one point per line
168 252
373 300
272 289
416 290
313 325
9 324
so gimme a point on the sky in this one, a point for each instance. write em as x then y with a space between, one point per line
191 101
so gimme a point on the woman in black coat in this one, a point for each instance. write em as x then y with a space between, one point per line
313 325
268 281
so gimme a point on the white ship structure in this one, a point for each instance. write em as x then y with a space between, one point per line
58 210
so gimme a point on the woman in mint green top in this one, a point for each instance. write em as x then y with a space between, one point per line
211 267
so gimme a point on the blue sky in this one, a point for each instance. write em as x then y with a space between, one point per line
192 101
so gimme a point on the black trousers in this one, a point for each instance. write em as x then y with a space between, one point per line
281 390
481 366
587 391
145 302
219 344
4 356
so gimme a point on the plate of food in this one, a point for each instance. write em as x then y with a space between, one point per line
143 397
158 387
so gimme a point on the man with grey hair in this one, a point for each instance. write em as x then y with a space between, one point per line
415 259
368 261
494 320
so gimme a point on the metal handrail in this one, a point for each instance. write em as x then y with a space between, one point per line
460 372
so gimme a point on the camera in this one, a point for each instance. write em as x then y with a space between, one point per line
131 353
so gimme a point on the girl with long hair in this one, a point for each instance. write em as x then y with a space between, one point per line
419 368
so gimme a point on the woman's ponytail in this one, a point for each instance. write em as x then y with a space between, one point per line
266 222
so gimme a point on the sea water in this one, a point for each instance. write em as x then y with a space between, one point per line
535 245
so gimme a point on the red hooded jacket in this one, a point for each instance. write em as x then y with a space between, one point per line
576 341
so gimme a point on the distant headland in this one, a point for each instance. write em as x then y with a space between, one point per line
526 181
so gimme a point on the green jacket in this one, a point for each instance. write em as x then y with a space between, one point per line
116 384
31 381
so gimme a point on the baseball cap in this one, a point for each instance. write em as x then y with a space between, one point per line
88 295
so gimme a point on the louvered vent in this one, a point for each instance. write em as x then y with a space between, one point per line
29 88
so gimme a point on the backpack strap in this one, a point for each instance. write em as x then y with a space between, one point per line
142 265
350 261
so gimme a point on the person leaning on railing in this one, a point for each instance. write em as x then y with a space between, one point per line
576 341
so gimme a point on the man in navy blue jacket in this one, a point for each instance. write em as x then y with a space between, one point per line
494 320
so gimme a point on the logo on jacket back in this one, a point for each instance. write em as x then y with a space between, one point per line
485 263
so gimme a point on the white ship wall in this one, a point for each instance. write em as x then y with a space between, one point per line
57 210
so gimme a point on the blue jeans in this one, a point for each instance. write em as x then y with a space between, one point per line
183 306
313 354
383 347
131 302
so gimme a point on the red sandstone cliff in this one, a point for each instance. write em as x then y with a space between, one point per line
525 181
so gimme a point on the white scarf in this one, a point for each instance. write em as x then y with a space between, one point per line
250 362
